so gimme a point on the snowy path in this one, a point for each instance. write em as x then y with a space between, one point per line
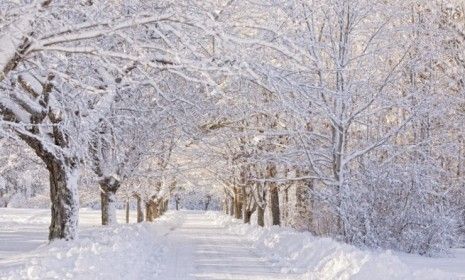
200 249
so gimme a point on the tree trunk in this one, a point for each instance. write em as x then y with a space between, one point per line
225 206
177 203
245 207
274 205
108 201
63 167
162 208
148 212
165 206
108 187
127 212
260 216
285 207
140 213
152 210
231 206
274 196
64 198
248 214
207 202
237 204
156 210
303 207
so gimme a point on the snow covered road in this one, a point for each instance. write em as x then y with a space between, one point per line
201 249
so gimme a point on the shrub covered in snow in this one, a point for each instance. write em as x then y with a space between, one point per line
400 207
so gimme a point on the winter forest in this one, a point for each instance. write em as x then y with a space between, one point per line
335 128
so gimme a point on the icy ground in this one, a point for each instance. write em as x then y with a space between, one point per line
195 245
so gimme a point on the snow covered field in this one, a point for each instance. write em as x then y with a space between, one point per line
196 245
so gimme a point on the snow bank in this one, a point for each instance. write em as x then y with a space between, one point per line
323 258
119 252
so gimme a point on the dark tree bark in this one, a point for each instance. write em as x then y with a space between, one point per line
285 212
274 205
248 213
237 203
148 212
245 202
177 200
161 208
64 198
248 204
207 202
274 196
247 216
127 211
260 216
140 213
260 201
152 210
304 205
165 206
157 208
231 207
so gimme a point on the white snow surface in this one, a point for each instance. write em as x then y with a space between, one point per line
197 245
323 258
119 252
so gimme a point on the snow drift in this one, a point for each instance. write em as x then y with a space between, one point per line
325 259
120 252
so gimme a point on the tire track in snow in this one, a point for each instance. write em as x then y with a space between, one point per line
199 249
